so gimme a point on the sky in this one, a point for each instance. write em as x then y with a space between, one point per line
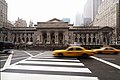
44 10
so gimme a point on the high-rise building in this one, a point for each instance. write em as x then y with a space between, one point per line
91 9
3 13
108 15
66 20
79 19
20 23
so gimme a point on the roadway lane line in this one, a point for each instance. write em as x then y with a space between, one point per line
106 62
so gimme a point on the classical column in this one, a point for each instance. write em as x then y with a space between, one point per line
72 38
17 38
29 37
56 37
87 37
21 38
63 38
13 37
25 37
101 38
82 37
96 37
92 36
41 38
78 37
48 38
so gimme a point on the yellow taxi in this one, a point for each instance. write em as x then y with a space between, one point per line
74 51
107 50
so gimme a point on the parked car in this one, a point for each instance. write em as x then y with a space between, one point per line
6 47
107 50
74 51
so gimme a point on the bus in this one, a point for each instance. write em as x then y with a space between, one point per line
6 47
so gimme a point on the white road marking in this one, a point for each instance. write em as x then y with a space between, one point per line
21 61
48 68
29 54
22 76
38 54
19 76
56 59
53 63
13 59
106 62
7 64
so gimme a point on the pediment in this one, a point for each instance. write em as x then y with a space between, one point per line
55 20
106 28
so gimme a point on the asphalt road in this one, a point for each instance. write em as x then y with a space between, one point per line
41 65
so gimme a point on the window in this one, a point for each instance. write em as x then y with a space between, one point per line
70 49
78 49
110 49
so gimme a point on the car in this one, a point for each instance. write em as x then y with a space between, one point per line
106 50
73 51
6 47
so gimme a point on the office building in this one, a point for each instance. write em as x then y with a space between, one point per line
3 13
90 10
108 15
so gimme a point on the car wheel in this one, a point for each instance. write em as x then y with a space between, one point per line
85 56
60 54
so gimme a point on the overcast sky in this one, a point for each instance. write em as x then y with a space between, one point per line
44 10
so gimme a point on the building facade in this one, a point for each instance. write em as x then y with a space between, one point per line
108 15
55 32
20 23
79 19
3 13
90 10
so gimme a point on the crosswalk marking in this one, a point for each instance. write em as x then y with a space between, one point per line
47 69
53 59
18 76
54 63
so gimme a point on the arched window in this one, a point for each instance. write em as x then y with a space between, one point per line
104 39
31 39
89 39
80 39
27 39
23 39
19 39
85 39
94 39
75 39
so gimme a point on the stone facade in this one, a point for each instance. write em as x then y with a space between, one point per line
20 23
3 13
55 32
108 15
